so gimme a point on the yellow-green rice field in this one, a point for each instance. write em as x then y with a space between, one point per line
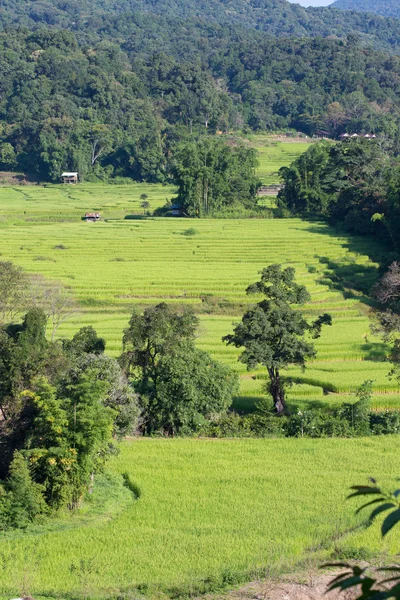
117 263
211 513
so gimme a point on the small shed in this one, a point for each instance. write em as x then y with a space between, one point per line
269 190
92 217
177 210
323 134
70 177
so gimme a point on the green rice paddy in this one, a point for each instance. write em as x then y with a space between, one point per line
64 203
274 153
215 510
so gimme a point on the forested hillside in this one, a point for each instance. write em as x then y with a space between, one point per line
275 17
117 107
387 8
109 89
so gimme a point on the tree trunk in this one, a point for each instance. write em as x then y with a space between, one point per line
277 392
3 412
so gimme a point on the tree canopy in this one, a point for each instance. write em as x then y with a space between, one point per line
386 8
213 177
355 182
273 332
179 385
101 98
61 406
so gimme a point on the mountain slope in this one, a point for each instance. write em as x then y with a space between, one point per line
275 17
74 74
386 8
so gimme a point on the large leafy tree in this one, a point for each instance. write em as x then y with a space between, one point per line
211 176
179 385
158 332
61 406
274 332
25 354
306 186
348 181
192 387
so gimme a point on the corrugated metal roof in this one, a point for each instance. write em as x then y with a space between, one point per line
69 174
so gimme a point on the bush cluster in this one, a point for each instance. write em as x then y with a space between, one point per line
308 423
61 404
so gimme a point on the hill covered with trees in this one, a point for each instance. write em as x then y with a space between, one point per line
110 89
386 8
274 17
117 107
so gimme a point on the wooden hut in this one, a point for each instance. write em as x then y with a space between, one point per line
177 210
92 217
70 177
323 134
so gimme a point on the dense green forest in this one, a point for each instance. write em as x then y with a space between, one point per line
110 89
275 17
355 182
117 108
386 8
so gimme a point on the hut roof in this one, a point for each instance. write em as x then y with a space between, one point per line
72 174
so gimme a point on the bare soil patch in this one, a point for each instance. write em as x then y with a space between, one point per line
10 178
288 588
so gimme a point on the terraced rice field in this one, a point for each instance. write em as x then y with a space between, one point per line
275 153
115 264
31 204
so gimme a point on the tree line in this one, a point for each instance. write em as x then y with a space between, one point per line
354 182
277 18
386 8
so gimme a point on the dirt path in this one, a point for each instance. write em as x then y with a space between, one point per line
288 588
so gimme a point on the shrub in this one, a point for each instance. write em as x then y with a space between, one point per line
190 232
385 422
21 500
267 425
358 414
227 425
317 424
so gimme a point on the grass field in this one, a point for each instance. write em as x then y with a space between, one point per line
208 509
120 262
55 203
115 264
274 153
